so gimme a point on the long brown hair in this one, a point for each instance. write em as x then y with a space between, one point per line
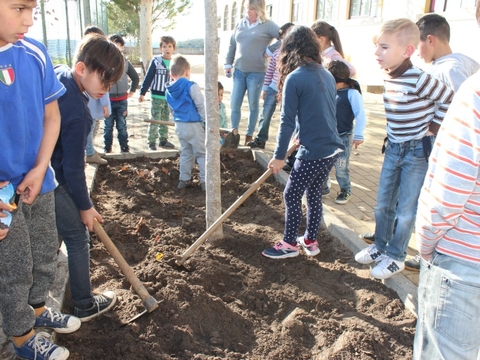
321 28
298 48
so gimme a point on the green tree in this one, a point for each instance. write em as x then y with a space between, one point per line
152 14
121 22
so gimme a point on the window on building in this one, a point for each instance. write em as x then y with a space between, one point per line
297 12
233 21
364 8
327 10
269 11
219 22
225 18
450 5
242 9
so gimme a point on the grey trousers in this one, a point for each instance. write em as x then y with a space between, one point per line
192 147
28 261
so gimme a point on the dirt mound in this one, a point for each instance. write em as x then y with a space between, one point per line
234 303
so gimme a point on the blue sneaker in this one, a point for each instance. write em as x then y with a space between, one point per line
40 348
101 304
325 192
61 323
282 250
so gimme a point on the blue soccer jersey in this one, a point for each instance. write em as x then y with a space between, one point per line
27 84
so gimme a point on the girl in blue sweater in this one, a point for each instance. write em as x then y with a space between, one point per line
308 93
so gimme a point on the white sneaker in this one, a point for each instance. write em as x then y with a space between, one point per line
386 268
310 249
368 255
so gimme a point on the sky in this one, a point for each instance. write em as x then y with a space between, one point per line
191 26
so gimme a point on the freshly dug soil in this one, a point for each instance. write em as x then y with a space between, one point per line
231 302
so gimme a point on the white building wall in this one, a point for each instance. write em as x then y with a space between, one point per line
357 34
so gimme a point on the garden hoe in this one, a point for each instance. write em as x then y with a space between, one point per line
180 261
148 301
231 137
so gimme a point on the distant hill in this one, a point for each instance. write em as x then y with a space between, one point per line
191 43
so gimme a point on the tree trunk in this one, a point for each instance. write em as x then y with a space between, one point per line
146 31
212 160
87 15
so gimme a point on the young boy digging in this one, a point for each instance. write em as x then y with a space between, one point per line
415 105
187 104
98 64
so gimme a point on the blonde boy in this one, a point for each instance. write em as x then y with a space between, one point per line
187 105
415 105
156 78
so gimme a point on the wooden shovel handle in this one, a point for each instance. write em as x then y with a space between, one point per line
148 301
228 212
172 123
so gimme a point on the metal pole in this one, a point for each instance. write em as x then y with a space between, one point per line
80 17
44 23
68 50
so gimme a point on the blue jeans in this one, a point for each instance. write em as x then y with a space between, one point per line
76 238
342 169
448 310
401 179
119 117
250 82
269 106
89 149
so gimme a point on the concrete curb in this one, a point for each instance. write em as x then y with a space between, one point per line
405 289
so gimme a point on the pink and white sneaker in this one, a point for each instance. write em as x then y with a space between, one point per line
309 246
282 250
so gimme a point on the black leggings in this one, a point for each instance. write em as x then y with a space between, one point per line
307 176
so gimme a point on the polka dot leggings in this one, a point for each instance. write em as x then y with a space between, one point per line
307 176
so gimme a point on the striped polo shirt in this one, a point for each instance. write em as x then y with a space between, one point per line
412 101
448 217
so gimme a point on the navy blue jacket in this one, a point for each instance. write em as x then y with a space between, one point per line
308 97
345 115
68 159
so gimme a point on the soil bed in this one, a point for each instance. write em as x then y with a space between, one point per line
234 303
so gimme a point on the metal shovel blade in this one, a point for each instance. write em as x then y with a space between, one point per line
137 316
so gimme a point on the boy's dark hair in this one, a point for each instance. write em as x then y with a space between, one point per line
220 86
341 73
179 65
101 56
117 39
168 40
92 29
284 28
434 24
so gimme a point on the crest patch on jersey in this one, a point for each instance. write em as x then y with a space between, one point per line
7 76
